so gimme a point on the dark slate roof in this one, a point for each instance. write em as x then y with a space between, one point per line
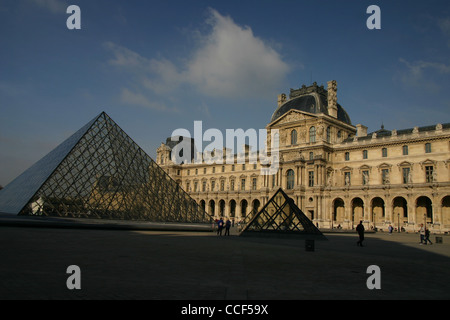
315 101
387 133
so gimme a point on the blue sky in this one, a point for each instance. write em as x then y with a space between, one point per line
155 66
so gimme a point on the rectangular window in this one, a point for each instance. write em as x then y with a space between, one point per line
213 185
365 176
312 134
223 168
222 185
204 170
242 184
254 166
406 175
232 185
232 167
311 156
196 171
347 156
347 178
385 176
188 187
273 181
214 170
384 152
405 150
429 173
243 166
427 147
254 180
311 178
204 186
189 172
195 186
364 154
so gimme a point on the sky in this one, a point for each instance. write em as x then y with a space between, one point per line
157 66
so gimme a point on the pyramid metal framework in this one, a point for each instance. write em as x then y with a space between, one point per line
100 172
280 216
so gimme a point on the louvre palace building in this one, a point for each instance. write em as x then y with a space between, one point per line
338 174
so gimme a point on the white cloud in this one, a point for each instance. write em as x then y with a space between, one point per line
417 67
129 97
124 57
54 6
444 25
419 74
229 61
233 62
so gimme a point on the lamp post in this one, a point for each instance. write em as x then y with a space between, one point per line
398 215
374 222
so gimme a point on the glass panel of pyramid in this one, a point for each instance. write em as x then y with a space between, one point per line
100 172
280 216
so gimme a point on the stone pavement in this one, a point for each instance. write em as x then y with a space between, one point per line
180 265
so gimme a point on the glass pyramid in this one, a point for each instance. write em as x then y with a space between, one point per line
100 172
280 216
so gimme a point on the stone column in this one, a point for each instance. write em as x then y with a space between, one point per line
216 208
281 177
388 210
226 211
238 214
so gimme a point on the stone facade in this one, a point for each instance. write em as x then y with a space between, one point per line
337 173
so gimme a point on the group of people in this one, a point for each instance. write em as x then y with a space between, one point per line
221 225
424 234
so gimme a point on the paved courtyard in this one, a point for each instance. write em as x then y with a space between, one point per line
176 265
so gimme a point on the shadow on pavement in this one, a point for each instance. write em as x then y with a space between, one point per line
123 264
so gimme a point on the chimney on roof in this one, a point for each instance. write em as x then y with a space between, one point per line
332 98
361 131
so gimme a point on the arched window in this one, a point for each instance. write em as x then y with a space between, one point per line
294 137
290 179
312 134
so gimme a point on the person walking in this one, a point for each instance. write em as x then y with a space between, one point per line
422 234
360 230
390 228
219 226
227 227
427 236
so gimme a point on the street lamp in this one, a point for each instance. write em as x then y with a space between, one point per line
374 222
398 215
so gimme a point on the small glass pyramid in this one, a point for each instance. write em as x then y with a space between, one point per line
280 216
100 172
